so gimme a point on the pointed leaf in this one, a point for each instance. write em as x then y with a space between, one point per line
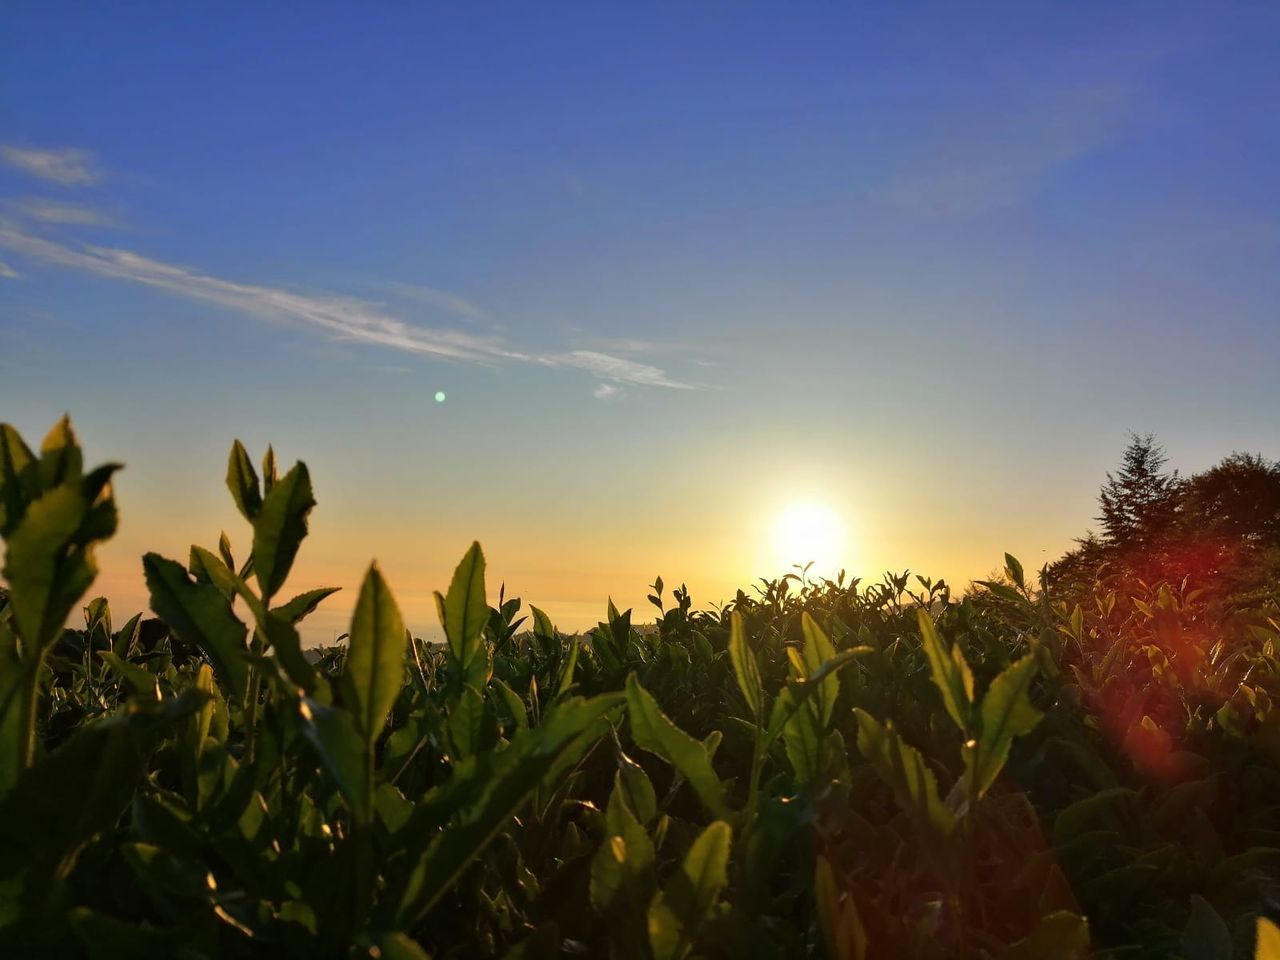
304 604
463 614
242 481
951 674
687 898
343 750
745 669
502 781
49 564
652 731
376 652
201 616
279 529
903 769
17 478
817 651
1006 713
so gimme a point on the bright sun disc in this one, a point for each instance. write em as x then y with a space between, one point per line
810 532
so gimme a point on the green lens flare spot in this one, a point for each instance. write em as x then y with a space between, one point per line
440 397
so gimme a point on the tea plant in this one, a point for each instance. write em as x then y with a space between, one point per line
817 768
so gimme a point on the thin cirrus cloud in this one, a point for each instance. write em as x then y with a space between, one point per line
7 272
345 318
55 211
71 167
1005 156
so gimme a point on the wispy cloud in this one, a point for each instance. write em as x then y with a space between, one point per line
68 166
1004 156
346 318
55 211
615 369
440 300
606 391
7 272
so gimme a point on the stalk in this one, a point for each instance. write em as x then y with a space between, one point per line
30 702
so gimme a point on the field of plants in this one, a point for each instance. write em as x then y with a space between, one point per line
1051 766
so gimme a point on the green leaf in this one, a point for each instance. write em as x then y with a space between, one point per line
745 669
270 475
637 789
61 461
687 898
842 929
471 724
201 616
566 672
1013 568
399 946
498 783
463 614
208 568
376 652
1206 935
304 604
17 478
242 481
818 651
1059 936
343 750
224 551
903 769
49 564
511 700
624 864
75 792
279 528
142 682
803 739
797 693
1006 713
652 731
122 644
951 674
283 638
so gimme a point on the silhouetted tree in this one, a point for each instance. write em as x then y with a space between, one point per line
1239 500
1140 501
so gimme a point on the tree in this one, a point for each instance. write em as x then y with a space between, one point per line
1239 499
1140 501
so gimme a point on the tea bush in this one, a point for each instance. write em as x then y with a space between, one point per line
817 769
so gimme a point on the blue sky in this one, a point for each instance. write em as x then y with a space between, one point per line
674 266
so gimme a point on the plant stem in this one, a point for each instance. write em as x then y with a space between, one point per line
30 703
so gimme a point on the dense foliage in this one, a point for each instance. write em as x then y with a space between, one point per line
1068 768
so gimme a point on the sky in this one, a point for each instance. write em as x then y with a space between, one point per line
678 271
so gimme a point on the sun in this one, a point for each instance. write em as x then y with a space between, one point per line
810 532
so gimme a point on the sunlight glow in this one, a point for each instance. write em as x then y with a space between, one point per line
807 532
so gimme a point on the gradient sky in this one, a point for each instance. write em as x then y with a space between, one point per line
675 266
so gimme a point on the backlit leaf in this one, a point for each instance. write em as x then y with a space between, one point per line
279 528
951 674
687 898
375 653
652 731
199 614
745 669
902 767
